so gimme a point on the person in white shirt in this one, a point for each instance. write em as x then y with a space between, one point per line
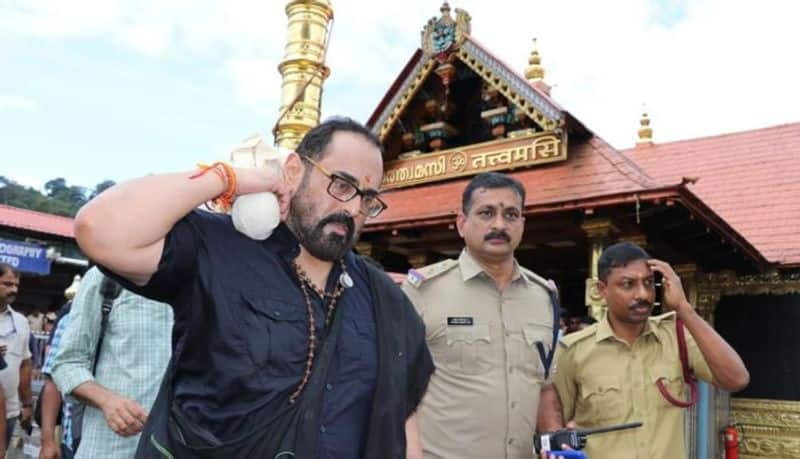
15 376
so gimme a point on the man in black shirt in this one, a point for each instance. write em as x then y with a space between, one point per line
288 345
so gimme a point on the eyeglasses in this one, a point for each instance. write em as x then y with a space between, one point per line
344 190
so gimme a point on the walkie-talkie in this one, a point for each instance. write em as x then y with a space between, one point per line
658 283
574 438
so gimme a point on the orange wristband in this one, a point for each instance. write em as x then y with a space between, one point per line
224 171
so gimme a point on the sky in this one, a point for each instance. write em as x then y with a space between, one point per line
114 89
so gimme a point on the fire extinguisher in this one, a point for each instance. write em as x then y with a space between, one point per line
730 438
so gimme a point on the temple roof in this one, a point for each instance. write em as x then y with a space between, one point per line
750 178
537 103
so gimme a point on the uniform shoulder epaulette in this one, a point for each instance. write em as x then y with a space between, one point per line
667 317
537 279
580 335
417 277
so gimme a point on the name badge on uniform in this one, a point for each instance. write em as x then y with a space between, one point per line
415 277
460 321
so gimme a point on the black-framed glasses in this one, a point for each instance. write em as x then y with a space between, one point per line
344 190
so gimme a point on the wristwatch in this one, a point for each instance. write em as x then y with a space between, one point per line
27 405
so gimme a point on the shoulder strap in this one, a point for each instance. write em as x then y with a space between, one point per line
417 277
547 357
687 373
109 290
552 291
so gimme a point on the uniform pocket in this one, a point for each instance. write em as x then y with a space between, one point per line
276 335
600 401
532 334
468 348
672 378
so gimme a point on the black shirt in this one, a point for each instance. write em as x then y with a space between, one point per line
241 319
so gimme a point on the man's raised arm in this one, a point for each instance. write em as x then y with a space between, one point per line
124 227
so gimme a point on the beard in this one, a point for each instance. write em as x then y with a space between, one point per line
311 234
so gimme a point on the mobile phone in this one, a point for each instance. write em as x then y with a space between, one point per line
658 284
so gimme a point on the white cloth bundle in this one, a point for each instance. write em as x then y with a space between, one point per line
257 214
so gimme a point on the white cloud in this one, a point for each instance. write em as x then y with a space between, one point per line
256 80
59 19
148 38
18 103
247 37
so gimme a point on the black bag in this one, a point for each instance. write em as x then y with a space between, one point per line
109 291
291 432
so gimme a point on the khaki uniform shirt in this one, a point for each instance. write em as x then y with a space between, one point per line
482 400
603 381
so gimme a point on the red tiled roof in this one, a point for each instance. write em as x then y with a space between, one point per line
36 221
751 179
593 169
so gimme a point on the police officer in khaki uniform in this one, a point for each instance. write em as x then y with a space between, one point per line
486 318
607 372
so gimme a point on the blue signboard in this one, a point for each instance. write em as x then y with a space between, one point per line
28 258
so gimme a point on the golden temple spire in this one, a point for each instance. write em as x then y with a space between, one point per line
645 131
534 72
303 69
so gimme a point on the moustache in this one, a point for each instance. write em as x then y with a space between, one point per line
342 219
640 304
497 235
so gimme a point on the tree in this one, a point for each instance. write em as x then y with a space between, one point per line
55 187
101 187
59 198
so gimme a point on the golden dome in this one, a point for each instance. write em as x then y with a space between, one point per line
645 131
534 72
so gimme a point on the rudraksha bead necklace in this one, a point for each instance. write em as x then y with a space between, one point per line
305 284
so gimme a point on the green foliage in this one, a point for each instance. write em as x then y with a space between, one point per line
101 187
59 198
